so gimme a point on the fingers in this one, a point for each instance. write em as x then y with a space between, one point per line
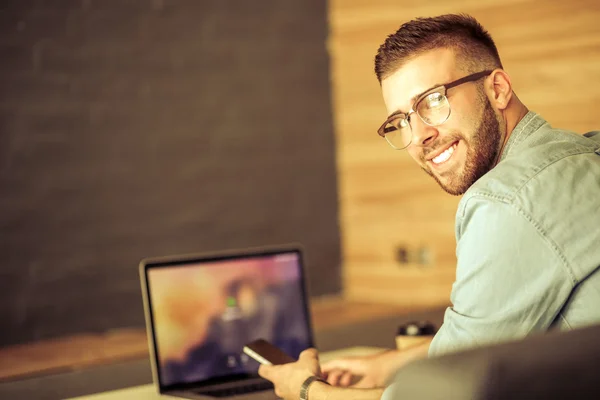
346 379
308 356
333 376
340 377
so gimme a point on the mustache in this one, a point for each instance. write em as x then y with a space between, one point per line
438 144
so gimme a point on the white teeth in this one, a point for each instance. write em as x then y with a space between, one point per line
444 156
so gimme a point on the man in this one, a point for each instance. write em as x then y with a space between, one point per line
528 243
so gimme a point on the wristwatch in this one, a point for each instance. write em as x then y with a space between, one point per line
306 384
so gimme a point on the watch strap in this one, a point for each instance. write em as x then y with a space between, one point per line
306 384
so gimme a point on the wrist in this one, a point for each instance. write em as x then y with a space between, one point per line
308 384
317 390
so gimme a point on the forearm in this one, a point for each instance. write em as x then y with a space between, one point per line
322 391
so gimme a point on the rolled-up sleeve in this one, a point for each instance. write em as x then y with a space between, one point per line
511 279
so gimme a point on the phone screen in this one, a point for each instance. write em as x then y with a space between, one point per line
265 353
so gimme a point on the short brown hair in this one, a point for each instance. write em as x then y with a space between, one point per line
460 32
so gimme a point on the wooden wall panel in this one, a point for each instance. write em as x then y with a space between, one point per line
550 48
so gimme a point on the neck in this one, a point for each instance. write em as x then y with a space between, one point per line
513 114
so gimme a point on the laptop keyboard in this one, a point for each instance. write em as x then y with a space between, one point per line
236 391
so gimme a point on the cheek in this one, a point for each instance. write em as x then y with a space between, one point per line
457 128
458 122
464 106
416 153
468 113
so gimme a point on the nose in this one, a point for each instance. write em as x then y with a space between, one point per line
423 134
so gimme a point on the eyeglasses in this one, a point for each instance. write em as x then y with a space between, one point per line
432 107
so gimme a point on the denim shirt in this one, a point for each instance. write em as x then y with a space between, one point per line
528 241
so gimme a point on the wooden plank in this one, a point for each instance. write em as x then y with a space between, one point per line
551 51
149 392
80 351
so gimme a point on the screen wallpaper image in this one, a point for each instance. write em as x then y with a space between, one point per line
205 313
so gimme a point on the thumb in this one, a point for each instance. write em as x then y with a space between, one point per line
266 371
309 355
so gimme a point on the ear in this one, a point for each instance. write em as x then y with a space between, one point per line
500 89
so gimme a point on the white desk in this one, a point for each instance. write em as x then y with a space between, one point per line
149 392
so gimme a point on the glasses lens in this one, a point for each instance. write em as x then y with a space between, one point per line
398 132
434 109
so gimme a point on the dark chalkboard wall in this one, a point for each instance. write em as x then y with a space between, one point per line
138 128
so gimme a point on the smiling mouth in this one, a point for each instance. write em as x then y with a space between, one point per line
445 155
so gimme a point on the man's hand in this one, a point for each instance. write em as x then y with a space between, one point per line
365 372
288 378
371 371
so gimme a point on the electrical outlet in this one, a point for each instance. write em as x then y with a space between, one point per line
402 255
425 256
422 256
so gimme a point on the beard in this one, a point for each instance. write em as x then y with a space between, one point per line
482 151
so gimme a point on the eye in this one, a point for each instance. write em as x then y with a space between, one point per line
434 100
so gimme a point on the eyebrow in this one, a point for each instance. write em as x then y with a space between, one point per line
414 98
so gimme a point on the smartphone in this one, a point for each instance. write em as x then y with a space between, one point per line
266 353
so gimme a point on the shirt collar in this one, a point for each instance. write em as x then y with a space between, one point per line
530 123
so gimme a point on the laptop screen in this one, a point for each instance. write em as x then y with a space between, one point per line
203 312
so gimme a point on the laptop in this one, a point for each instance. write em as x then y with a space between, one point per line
202 309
